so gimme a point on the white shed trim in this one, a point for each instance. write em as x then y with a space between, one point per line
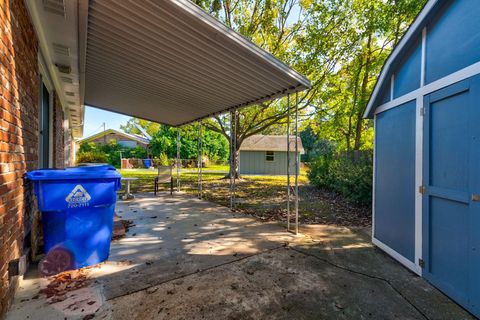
407 263
397 51
452 78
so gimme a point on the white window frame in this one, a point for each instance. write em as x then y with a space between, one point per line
267 155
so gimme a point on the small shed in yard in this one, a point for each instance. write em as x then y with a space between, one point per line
426 108
267 154
122 138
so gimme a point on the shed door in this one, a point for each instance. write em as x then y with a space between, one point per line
451 222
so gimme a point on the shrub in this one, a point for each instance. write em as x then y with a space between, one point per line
112 151
345 174
163 159
92 157
137 152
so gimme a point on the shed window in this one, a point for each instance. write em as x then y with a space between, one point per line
269 156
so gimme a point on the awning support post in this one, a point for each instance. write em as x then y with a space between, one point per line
178 162
288 162
231 161
199 164
296 163
235 164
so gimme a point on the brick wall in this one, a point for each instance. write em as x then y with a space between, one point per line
58 134
19 92
69 148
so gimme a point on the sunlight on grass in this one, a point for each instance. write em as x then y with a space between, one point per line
262 196
254 192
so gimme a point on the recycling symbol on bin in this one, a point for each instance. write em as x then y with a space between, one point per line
78 197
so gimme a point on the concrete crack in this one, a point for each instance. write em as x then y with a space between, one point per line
388 282
199 271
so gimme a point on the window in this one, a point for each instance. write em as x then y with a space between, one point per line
269 156
127 143
44 120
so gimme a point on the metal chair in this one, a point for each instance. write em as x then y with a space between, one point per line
164 176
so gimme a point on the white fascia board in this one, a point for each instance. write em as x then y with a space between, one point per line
82 52
46 56
43 47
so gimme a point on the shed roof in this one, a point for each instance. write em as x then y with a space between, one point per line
171 62
270 143
134 137
424 17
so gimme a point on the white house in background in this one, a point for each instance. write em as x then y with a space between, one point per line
122 138
267 154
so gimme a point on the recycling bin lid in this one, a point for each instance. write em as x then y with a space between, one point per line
75 173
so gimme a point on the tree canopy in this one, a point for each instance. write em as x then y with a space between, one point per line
164 140
340 45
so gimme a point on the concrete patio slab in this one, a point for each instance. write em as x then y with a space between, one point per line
184 258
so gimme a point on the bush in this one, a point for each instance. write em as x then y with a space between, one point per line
345 174
92 157
163 160
111 151
137 152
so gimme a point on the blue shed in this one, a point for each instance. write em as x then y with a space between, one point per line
426 109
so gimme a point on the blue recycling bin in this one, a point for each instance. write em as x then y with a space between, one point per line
77 206
147 163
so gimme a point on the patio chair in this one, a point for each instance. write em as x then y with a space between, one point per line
164 176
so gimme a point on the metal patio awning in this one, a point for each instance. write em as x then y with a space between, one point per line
170 62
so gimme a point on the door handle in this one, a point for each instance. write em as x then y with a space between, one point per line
475 197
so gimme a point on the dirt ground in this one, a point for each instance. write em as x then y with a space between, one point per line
317 207
184 258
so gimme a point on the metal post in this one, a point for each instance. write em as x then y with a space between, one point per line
199 164
231 161
178 159
235 165
288 162
296 163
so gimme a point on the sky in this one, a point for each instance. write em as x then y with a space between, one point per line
94 119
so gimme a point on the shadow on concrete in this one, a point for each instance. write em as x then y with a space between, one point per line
184 258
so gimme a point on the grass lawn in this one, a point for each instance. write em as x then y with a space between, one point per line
261 196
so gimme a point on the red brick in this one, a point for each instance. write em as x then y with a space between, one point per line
19 89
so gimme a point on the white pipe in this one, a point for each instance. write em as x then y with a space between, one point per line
296 163
199 164
178 159
231 161
235 158
288 162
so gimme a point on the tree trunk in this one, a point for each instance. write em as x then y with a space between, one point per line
238 142
363 96
235 165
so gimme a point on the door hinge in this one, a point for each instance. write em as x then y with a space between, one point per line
422 189
421 263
